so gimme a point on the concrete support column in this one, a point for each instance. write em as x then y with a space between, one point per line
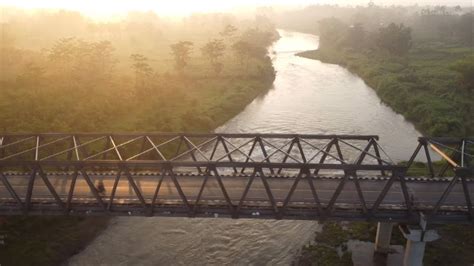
383 237
414 253
416 243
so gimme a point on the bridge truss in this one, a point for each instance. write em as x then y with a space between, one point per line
282 176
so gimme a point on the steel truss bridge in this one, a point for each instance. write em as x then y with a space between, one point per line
281 176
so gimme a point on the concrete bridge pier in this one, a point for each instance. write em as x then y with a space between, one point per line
383 237
417 237
382 243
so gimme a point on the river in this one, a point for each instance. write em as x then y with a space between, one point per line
307 97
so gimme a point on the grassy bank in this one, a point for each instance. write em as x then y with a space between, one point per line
46 240
425 89
421 86
330 245
208 103
52 240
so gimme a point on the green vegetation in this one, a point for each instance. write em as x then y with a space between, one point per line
422 86
330 246
143 74
92 85
46 240
454 247
329 249
423 70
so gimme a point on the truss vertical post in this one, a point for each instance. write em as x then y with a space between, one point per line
467 196
250 154
3 141
10 189
377 153
198 198
286 155
192 152
180 191
291 191
310 179
246 190
157 190
428 158
339 188
338 148
114 189
264 151
71 190
323 157
51 188
224 192
29 190
93 190
269 194
382 194
415 153
444 195
226 149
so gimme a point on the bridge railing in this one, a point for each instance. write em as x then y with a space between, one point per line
54 149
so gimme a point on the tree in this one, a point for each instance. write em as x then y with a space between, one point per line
331 31
396 39
181 51
465 28
228 32
62 54
241 49
102 59
244 50
84 63
142 70
258 37
465 67
213 51
356 36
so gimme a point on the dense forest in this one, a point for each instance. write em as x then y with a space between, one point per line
420 61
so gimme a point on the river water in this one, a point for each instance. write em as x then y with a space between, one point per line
307 97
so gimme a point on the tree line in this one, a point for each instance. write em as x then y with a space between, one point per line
92 85
395 40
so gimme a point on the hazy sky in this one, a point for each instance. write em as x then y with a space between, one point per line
185 7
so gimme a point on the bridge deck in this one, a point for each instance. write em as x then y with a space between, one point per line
424 195
231 175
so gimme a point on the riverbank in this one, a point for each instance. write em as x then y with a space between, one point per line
195 102
52 240
421 86
424 88
331 245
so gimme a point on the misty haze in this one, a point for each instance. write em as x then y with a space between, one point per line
306 132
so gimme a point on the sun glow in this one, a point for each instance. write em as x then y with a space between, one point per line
105 8
110 8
